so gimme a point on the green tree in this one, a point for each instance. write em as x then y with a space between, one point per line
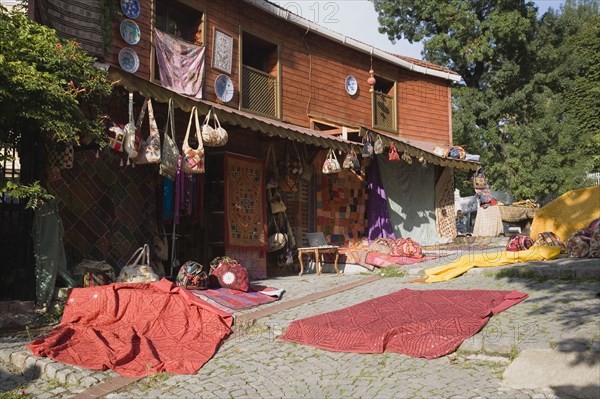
47 86
528 101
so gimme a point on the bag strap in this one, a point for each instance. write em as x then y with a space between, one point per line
131 108
207 117
216 118
271 155
140 119
170 120
194 116
152 120
139 253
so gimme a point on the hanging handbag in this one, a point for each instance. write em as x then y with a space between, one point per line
193 158
170 151
275 201
331 164
277 240
393 154
367 150
378 146
479 181
133 139
351 161
213 136
150 148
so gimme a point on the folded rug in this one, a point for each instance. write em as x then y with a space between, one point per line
234 300
136 330
425 324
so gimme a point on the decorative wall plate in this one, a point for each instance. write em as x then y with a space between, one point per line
351 85
128 60
224 88
130 31
131 8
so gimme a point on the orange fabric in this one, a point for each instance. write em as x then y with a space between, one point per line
136 330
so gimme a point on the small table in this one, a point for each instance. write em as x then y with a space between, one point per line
318 252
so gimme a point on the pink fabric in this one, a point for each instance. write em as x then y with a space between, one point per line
383 260
425 324
136 330
181 64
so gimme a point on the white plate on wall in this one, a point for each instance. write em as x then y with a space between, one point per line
129 60
224 88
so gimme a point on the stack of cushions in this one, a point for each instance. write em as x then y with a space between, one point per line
226 272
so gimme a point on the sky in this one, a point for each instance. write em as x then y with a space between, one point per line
357 19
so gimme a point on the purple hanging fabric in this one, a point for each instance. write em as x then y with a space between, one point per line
179 191
379 223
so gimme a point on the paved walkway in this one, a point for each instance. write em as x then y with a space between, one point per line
560 314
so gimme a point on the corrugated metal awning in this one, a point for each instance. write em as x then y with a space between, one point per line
419 149
232 116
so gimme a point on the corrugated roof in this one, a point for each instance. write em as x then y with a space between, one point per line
276 128
232 116
417 149
425 64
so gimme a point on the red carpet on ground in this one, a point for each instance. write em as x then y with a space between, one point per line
136 330
429 323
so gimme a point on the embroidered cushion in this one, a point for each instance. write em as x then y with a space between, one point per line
549 239
231 275
407 247
578 244
519 243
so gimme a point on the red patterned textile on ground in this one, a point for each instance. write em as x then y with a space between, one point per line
425 324
245 210
234 300
136 330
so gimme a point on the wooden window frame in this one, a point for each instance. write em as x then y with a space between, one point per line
395 110
278 85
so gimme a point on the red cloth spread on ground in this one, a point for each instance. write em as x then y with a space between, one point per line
136 330
427 324
233 300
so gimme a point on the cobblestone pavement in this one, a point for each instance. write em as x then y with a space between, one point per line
558 314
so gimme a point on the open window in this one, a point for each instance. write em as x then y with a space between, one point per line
178 19
259 87
335 129
384 104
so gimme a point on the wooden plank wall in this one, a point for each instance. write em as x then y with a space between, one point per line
313 73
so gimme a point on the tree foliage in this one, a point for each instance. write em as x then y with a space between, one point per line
529 99
47 86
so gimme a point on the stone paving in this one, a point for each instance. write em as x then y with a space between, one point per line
559 314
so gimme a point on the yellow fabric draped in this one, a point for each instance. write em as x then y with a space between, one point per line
469 261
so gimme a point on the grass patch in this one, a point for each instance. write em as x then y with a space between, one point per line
16 393
390 271
154 380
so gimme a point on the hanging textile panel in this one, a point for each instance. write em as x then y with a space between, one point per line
444 205
107 211
245 206
341 207
80 20
410 190
181 64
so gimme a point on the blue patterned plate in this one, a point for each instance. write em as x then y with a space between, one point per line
128 60
130 31
131 8
224 88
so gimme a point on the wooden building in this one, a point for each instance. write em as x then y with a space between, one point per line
292 86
